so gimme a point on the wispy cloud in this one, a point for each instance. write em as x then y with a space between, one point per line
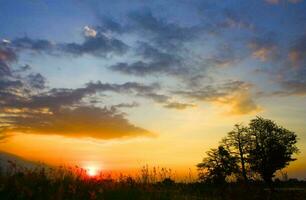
232 93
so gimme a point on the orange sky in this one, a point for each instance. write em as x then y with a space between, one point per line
181 143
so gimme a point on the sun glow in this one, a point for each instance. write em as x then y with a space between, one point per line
92 171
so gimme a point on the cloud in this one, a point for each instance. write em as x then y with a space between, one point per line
100 45
213 92
292 76
141 68
158 45
263 53
37 81
89 32
99 123
127 105
7 56
110 25
56 98
165 34
161 44
264 48
224 57
39 45
178 106
164 45
234 20
62 111
155 61
292 87
232 93
28 106
95 43
297 53
242 103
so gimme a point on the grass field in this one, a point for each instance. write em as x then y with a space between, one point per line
73 183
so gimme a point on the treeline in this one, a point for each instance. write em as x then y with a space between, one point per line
249 152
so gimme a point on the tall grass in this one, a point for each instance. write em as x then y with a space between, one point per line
43 183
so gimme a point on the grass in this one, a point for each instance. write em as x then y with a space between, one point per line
73 183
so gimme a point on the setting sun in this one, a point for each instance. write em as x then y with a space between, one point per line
92 171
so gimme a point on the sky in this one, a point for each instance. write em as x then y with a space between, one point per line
121 84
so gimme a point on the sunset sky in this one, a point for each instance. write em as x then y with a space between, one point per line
119 84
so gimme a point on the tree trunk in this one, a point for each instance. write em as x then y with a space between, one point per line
268 180
243 169
242 163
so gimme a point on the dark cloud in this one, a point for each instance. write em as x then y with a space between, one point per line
178 106
125 87
4 70
164 44
95 122
7 56
61 111
38 45
159 98
37 81
154 61
165 34
127 105
24 68
141 68
99 45
132 88
56 98
110 25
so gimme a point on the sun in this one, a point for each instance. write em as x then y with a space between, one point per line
92 171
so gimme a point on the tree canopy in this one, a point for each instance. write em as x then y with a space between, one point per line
272 147
217 165
263 147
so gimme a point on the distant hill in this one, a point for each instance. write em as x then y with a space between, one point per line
6 160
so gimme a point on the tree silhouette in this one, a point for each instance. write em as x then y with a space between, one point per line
217 165
271 149
237 143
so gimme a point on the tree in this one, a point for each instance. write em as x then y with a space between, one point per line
272 147
217 165
237 143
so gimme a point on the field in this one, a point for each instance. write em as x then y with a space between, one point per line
75 184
